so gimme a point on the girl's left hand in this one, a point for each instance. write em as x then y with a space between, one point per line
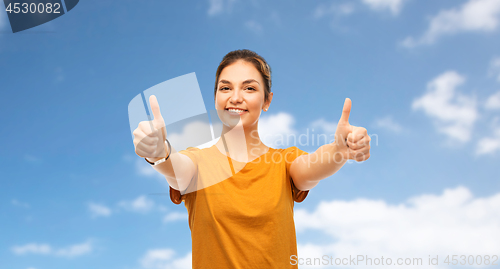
352 142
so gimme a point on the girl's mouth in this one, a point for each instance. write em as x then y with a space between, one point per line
236 111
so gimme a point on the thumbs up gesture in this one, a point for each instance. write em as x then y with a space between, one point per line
150 136
353 142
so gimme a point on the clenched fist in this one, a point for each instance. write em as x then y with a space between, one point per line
150 136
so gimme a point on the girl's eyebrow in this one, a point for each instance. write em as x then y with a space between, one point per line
248 81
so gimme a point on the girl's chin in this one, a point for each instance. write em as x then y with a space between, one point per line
234 122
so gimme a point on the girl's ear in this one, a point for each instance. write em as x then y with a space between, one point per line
268 103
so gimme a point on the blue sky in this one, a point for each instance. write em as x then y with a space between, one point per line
423 77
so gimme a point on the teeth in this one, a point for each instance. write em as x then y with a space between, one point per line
235 110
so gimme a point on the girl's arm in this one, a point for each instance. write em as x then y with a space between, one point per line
307 170
184 169
351 143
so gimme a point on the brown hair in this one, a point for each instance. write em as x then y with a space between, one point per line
251 57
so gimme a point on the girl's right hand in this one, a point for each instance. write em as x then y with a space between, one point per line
150 136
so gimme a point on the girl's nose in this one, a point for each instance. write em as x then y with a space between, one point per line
236 97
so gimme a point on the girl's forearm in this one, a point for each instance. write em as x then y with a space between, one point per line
314 167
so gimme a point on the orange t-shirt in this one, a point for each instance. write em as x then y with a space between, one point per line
241 214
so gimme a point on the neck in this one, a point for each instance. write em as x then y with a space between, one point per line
242 143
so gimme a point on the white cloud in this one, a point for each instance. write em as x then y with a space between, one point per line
322 132
389 124
46 249
193 134
325 126
32 248
488 145
495 68
141 204
74 250
254 26
453 114
336 11
491 144
165 258
451 223
19 203
344 9
217 7
274 130
394 6
493 102
174 216
97 210
473 16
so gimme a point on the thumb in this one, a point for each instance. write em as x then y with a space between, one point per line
343 126
346 111
155 108
158 122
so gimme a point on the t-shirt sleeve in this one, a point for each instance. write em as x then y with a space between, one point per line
192 153
291 155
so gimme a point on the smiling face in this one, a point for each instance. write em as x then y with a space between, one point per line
240 94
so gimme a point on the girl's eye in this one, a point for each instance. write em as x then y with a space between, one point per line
226 88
